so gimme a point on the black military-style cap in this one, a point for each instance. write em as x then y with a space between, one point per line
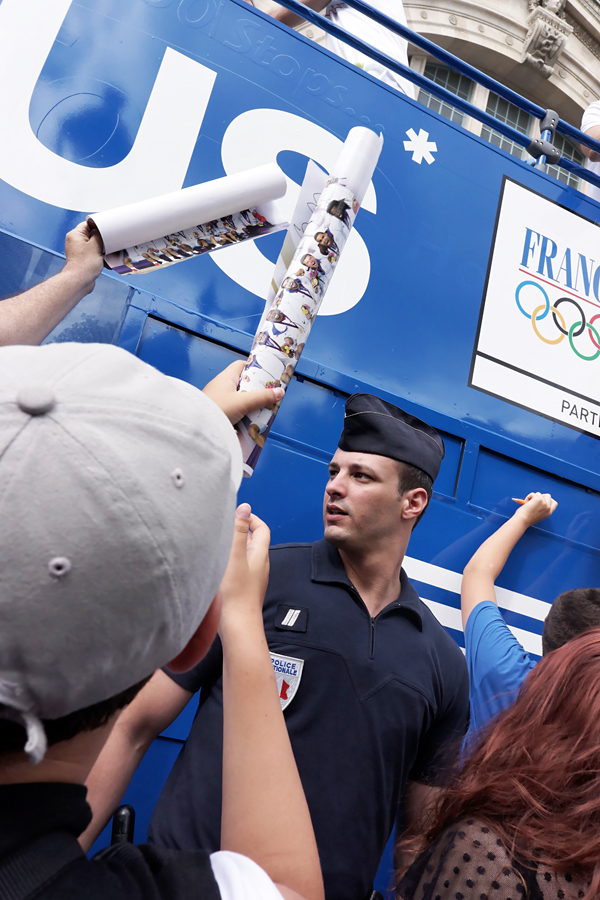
373 426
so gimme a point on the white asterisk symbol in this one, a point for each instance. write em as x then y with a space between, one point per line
420 146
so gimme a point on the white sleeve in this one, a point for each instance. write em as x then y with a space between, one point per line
239 878
591 116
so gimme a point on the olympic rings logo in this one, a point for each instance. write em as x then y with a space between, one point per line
570 332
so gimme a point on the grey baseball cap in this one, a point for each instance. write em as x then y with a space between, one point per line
117 496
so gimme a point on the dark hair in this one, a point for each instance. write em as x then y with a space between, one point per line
571 613
13 736
411 478
337 204
533 773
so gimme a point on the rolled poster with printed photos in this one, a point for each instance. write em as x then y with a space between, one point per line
284 330
170 228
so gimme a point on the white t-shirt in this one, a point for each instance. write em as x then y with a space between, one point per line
375 35
239 878
591 118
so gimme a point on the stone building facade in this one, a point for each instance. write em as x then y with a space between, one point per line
546 50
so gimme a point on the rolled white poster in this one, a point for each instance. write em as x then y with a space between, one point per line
284 330
205 237
139 223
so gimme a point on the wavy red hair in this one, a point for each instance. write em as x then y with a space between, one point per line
534 773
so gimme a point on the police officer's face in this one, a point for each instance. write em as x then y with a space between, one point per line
362 505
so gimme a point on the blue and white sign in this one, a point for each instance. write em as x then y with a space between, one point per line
538 346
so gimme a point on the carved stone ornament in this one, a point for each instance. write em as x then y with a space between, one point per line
546 36
553 6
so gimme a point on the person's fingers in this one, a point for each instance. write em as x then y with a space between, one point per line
235 369
248 401
242 519
95 238
241 528
258 547
261 533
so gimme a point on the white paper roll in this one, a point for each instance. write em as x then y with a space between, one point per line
285 327
357 160
127 226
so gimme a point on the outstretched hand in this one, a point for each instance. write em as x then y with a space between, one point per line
223 391
537 507
245 581
83 251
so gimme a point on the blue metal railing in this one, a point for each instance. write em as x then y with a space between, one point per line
442 93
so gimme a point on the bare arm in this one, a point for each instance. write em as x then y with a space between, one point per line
289 18
265 815
591 154
155 707
486 564
419 801
28 318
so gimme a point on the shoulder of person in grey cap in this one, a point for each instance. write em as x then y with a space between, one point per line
117 514
29 317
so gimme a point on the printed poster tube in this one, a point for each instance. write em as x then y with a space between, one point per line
207 237
138 223
283 332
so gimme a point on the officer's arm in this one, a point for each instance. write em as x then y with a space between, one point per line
29 317
591 154
289 18
155 707
486 564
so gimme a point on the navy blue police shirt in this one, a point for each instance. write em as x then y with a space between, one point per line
369 704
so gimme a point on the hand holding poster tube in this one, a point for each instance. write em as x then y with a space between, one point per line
284 331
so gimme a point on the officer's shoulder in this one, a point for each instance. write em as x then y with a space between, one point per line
444 642
283 548
290 556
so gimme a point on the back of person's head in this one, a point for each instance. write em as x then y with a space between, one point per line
534 773
571 613
117 497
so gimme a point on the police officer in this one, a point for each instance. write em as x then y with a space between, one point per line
375 691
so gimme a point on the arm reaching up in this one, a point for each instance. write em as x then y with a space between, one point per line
265 815
485 565
29 317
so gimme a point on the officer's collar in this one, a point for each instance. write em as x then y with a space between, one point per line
328 568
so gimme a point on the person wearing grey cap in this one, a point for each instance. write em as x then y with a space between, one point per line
29 317
374 690
117 496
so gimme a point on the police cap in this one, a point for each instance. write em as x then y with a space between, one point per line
373 426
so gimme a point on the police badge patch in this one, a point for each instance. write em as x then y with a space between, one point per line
288 672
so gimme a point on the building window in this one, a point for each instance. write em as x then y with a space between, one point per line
452 81
570 151
511 115
500 109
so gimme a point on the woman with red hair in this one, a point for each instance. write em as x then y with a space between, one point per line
522 817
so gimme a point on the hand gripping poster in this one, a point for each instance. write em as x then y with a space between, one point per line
284 330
